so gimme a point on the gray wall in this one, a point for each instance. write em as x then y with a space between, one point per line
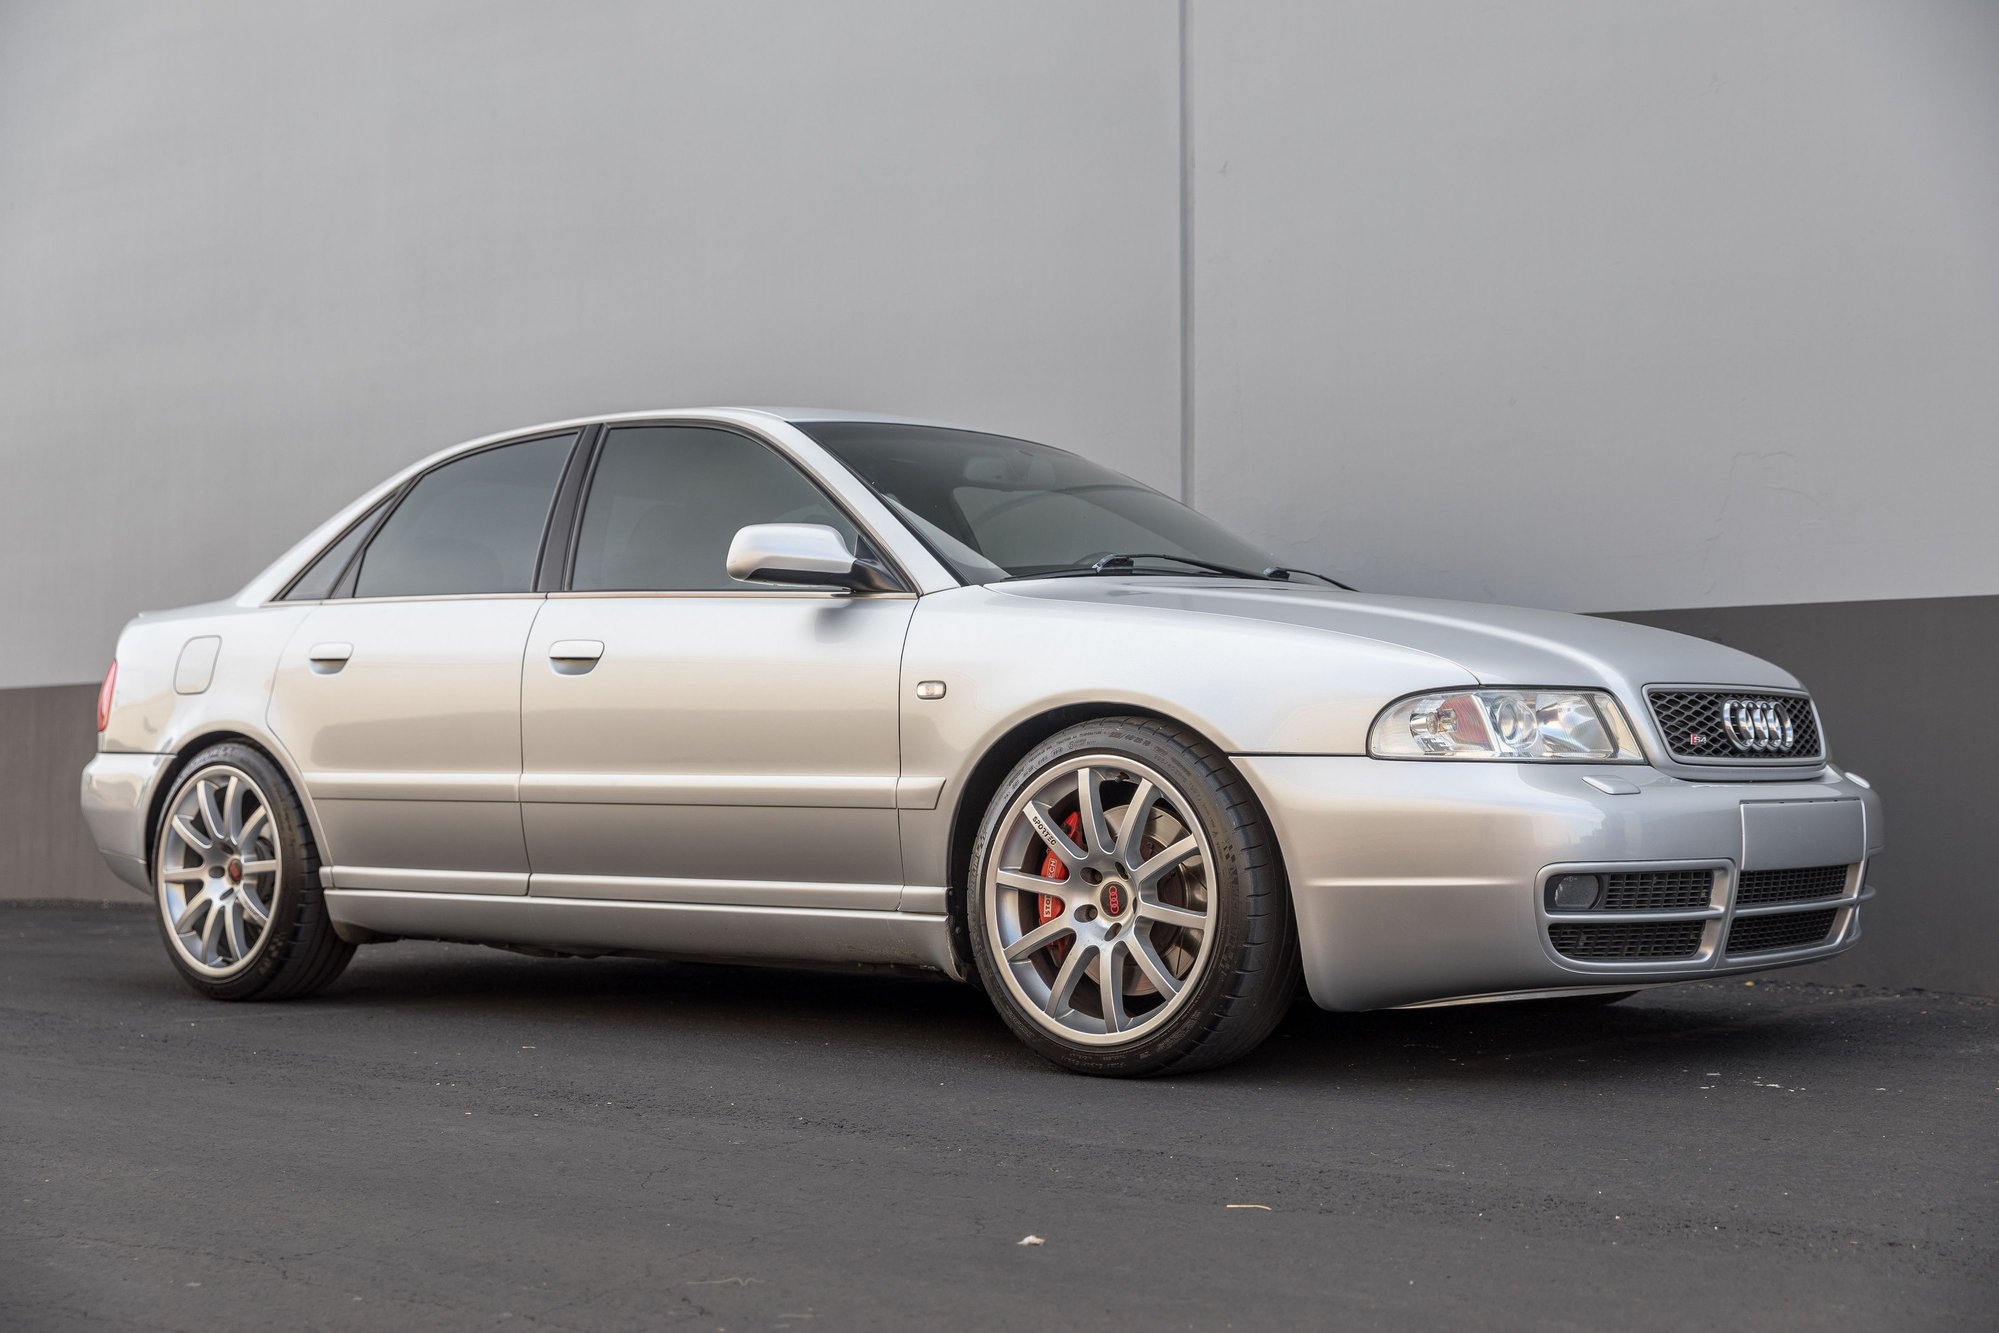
1603 305
1597 306
256 256
45 853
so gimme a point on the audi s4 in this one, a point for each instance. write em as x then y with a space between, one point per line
818 688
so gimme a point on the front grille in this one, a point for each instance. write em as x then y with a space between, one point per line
1790 886
1792 930
1691 721
1639 939
1658 890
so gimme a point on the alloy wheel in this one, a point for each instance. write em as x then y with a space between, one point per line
1099 899
218 870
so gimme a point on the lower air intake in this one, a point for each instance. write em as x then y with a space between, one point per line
1618 941
1789 886
1792 930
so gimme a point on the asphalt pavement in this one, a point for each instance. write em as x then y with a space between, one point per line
455 1137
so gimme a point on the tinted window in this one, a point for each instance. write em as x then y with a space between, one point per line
990 506
473 525
1028 530
322 574
666 501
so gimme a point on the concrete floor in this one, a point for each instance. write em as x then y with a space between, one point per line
453 1137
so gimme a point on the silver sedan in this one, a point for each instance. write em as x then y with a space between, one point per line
817 688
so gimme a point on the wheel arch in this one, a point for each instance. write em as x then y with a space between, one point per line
184 759
983 779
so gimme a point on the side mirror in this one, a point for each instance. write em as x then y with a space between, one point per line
808 553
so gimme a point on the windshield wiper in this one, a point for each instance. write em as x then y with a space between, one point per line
1120 562
1123 561
1280 572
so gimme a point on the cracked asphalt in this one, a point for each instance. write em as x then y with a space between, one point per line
453 1137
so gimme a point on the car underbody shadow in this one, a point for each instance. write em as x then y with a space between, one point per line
1666 1026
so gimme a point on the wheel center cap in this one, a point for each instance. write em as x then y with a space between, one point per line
1115 897
235 870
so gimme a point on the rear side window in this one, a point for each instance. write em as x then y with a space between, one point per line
322 576
666 501
473 525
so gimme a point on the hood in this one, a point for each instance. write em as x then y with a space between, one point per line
1494 645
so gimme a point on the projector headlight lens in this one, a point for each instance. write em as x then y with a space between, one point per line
1556 725
1514 725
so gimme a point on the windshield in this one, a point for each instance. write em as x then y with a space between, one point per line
991 507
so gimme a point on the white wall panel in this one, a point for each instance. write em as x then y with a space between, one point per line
1584 305
1602 306
255 256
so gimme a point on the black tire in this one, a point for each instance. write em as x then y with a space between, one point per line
297 951
1251 971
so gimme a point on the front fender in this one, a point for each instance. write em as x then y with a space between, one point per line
1248 686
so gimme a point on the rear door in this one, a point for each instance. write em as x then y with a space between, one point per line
399 696
691 738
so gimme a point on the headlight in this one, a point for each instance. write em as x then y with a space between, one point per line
1582 725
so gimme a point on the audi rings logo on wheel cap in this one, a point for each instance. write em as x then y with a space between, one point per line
1762 725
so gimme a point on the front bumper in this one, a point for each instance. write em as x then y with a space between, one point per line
117 796
1421 882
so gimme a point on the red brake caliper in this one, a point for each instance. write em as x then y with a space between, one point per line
1052 868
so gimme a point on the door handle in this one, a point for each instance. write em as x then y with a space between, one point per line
327 658
573 657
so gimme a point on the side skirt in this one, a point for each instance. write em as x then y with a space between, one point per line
694 930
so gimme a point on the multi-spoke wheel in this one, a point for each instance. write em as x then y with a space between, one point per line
1100 901
1127 910
236 878
218 870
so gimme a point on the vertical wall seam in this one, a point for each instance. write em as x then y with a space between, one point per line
1186 268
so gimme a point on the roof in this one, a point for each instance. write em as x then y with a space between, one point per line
796 415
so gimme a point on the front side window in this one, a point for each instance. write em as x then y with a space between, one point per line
473 525
992 507
666 501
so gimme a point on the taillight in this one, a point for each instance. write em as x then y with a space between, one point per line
104 696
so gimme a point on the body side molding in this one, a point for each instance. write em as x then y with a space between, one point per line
708 930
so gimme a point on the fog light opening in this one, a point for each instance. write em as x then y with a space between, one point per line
1574 893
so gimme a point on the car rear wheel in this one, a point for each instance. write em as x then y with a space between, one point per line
236 878
1127 904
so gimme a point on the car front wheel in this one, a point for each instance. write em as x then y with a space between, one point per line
1128 909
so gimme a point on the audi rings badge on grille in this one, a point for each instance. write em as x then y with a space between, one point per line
1758 724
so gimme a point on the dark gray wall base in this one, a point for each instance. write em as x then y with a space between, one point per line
1896 683
47 735
1900 687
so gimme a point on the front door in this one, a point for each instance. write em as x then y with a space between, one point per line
690 738
400 700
